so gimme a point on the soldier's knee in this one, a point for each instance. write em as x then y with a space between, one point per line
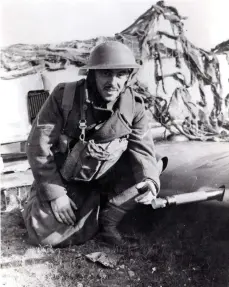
52 240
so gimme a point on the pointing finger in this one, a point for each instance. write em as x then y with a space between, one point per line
72 215
58 217
64 219
68 218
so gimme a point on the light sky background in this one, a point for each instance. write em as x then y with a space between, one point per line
53 21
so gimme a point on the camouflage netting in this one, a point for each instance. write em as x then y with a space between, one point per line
180 82
159 36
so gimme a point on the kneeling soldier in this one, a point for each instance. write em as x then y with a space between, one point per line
91 153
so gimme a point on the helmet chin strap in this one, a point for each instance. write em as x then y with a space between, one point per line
131 79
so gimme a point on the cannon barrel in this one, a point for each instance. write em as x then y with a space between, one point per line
191 197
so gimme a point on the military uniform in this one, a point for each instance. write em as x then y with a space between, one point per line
125 126
117 153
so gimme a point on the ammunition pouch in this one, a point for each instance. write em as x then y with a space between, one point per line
90 160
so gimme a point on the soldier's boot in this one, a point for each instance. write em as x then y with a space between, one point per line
110 218
116 209
112 215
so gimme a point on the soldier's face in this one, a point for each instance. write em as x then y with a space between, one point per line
110 83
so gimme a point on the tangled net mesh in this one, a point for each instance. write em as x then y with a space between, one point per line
176 110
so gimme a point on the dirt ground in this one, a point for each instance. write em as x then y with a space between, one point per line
185 246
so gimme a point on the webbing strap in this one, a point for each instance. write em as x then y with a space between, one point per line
83 108
67 101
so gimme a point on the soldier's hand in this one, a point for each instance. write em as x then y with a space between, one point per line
149 194
62 208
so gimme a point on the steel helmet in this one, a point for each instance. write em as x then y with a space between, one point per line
111 55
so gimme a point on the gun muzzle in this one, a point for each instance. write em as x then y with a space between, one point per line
191 197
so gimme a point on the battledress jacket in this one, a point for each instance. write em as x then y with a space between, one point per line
127 119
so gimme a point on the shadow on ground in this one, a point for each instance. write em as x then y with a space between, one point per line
189 244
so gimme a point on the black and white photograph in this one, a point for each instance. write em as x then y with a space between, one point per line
114 143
